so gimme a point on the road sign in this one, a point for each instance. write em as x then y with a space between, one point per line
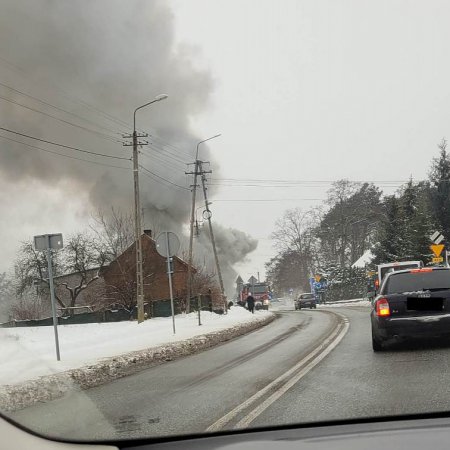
317 278
42 242
437 237
48 242
437 249
169 245
437 260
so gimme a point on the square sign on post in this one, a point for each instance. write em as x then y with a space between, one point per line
41 242
45 243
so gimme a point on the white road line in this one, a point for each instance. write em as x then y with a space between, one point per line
250 417
285 378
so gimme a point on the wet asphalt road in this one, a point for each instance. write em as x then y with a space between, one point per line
190 394
354 382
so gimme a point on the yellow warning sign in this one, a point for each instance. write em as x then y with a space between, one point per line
437 260
437 249
317 278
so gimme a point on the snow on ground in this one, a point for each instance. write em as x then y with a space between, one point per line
29 352
344 303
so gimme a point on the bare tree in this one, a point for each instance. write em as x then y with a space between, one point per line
28 306
114 232
75 268
295 238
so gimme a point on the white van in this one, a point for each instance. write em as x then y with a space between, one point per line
384 269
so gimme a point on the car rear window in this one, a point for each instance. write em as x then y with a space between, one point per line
417 281
307 296
385 270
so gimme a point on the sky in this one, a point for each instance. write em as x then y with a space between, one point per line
311 91
317 90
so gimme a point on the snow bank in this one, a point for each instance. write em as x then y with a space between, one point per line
93 354
344 303
29 352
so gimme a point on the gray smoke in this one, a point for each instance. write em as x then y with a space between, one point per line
115 55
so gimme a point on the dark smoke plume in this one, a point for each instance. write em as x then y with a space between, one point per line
115 55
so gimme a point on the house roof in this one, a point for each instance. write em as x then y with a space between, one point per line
146 236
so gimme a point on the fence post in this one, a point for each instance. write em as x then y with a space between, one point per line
199 307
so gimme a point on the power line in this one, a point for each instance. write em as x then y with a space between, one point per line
65 146
168 158
68 96
103 135
57 107
63 155
155 159
168 144
156 147
164 179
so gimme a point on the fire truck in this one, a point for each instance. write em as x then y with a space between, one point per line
260 291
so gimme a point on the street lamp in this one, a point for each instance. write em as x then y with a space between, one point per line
137 214
191 235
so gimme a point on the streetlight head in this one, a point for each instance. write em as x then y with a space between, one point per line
160 97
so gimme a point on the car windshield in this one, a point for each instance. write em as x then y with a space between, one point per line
197 198
417 281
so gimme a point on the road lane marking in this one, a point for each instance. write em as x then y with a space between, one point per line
335 336
250 417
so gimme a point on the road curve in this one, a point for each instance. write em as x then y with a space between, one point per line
194 393
355 382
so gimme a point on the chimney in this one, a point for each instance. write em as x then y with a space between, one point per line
148 233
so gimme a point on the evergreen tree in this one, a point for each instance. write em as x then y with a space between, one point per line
439 177
391 244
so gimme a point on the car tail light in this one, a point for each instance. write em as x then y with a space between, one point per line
426 269
382 308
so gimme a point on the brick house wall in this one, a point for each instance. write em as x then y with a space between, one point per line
120 276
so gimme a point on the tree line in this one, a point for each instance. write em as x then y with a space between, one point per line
355 218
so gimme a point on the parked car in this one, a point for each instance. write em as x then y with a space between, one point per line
307 300
411 303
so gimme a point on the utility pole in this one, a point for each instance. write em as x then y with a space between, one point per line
137 223
197 166
191 236
208 216
137 210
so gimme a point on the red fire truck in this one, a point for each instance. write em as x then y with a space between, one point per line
260 292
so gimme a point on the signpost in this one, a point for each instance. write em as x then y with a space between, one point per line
48 242
437 237
167 245
437 248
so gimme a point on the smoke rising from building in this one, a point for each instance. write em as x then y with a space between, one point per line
96 63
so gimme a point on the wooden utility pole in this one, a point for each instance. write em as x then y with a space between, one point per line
208 215
191 236
197 165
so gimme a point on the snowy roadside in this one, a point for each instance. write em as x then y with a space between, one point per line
93 354
347 303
